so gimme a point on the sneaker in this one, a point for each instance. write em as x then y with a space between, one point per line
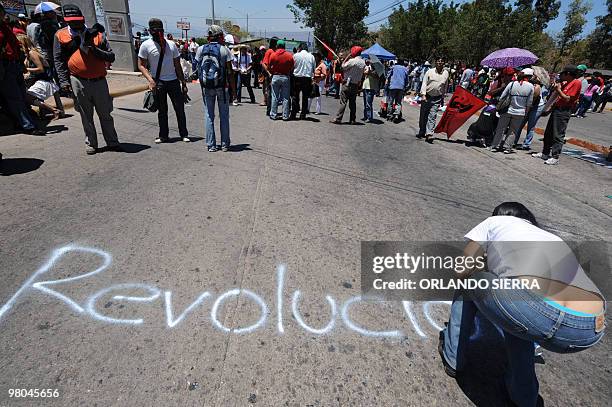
540 155
160 140
225 149
212 149
447 368
90 150
508 151
235 104
552 161
186 139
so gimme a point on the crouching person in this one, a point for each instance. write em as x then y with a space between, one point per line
559 308
80 57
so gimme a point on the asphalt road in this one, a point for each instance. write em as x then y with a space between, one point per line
186 229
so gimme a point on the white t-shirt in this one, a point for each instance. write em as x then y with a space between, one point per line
193 46
517 248
150 50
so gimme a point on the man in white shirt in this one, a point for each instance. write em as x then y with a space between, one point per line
245 67
432 92
192 48
303 72
171 81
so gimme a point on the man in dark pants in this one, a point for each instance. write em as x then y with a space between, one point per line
12 87
265 66
171 81
353 68
303 72
567 93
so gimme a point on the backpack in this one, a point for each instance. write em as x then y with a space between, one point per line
212 71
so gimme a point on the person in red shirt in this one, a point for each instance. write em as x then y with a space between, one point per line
565 94
265 66
12 85
280 67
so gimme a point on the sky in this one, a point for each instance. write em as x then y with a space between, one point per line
272 16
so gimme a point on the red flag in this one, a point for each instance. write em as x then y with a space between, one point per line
461 106
330 52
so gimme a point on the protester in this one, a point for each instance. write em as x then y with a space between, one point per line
215 61
352 70
605 95
335 77
303 74
80 62
192 48
370 88
562 101
243 76
12 82
165 77
257 58
320 75
45 40
520 93
397 83
433 89
584 84
33 29
265 65
564 312
38 79
535 111
466 78
281 65
586 98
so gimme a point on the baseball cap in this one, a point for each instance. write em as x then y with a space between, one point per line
582 67
280 43
214 30
156 24
527 72
426 63
570 69
72 13
21 16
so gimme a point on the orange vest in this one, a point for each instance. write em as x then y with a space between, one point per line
79 63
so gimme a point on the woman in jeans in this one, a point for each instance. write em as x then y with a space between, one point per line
508 127
531 119
563 314
587 99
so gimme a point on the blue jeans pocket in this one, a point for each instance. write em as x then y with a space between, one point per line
510 323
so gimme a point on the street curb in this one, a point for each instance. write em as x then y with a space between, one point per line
115 94
582 143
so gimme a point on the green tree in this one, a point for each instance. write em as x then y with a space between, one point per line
574 25
339 22
545 11
599 49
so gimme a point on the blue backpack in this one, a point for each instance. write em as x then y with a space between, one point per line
212 68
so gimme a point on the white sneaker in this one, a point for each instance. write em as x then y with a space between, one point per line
235 104
540 155
186 140
552 161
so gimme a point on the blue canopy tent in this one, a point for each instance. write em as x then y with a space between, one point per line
379 51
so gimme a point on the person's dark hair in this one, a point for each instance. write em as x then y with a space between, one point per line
516 209
273 41
400 61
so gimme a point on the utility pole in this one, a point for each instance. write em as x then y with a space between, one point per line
213 10
248 34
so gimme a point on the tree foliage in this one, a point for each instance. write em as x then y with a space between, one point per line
471 30
337 22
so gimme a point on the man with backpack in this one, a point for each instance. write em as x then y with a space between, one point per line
163 58
215 61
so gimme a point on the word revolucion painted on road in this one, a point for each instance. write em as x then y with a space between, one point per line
152 293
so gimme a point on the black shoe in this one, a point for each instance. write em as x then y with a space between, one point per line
447 368
36 132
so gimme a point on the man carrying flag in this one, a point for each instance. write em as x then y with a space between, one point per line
461 106
432 93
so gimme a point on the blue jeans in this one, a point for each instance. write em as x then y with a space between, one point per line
585 104
280 93
222 98
531 120
524 318
368 103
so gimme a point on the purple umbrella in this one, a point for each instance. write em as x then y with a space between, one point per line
509 57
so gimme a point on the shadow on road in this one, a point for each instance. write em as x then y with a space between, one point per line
482 381
236 148
14 166
129 148
127 109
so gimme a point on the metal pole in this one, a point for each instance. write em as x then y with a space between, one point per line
248 25
213 11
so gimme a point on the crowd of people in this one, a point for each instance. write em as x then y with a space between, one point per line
61 56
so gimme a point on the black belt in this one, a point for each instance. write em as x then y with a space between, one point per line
89 79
